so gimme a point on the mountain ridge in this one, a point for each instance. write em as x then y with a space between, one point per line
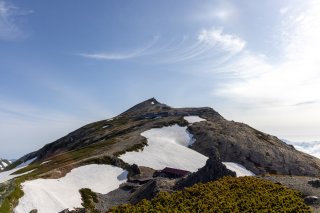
232 139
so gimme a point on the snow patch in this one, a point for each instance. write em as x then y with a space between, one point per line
45 162
193 119
152 103
167 147
55 195
238 169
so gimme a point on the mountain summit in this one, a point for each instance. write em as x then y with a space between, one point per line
150 143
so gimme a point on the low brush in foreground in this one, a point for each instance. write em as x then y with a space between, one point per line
245 194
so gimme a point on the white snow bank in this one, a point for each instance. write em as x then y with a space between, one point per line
55 195
7 175
193 119
167 147
238 169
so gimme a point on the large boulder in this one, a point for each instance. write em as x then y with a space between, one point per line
213 170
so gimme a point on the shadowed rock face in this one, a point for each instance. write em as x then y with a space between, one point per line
213 170
236 142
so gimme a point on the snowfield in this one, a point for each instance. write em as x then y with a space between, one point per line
168 147
55 195
193 119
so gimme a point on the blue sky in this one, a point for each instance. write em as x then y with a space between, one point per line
66 63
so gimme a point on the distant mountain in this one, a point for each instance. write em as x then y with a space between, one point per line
4 163
150 143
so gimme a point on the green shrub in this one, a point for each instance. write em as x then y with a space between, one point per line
88 198
245 194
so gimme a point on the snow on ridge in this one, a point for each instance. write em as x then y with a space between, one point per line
168 147
193 119
238 169
55 195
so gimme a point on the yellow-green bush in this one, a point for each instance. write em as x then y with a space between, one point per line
244 194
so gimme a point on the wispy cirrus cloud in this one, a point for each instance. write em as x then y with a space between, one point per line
142 51
9 21
204 46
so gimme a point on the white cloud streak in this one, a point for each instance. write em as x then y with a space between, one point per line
121 56
295 79
207 45
226 42
280 97
9 27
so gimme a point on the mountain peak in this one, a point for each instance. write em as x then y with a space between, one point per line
148 105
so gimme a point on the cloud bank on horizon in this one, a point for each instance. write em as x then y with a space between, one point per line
256 63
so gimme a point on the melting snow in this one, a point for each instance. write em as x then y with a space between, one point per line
168 147
55 195
106 126
193 119
45 162
238 169
7 175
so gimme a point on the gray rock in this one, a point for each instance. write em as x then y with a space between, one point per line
152 188
315 183
213 170
311 200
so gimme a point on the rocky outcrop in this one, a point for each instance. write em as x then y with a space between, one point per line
258 152
213 170
152 188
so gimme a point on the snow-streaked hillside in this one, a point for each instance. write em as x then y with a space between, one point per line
55 195
7 175
168 147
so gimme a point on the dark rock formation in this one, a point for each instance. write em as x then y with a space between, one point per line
315 183
311 200
213 170
152 188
